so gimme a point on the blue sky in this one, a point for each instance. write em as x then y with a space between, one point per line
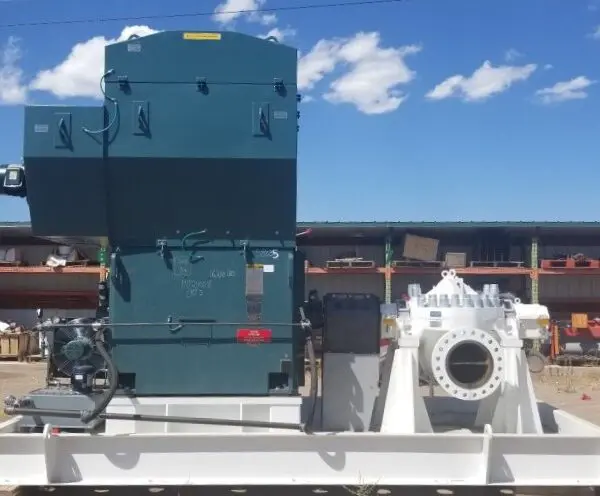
417 110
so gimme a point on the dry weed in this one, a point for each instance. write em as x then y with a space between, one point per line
570 379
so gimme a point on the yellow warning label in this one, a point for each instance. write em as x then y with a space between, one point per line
202 36
255 266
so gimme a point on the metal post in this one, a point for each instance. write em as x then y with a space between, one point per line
389 253
535 288
535 281
103 259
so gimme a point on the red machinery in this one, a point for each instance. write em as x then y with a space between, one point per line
577 340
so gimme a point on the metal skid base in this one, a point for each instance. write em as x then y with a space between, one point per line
58 398
570 457
307 491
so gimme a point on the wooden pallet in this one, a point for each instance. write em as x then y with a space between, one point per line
350 264
34 358
18 346
498 264
397 264
570 263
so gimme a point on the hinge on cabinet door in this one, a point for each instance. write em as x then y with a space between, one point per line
278 85
202 85
123 82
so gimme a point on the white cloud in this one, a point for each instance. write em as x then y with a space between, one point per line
483 83
596 33
547 67
280 33
266 19
317 63
511 55
373 77
79 74
566 90
12 89
229 11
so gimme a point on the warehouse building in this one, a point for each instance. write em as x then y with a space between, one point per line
554 263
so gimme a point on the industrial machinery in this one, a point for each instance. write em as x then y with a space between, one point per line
188 175
74 356
471 344
575 341
350 362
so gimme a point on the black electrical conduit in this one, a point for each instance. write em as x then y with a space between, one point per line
314 381
192 322
112 373
154 418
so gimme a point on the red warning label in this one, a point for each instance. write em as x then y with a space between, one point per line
254 336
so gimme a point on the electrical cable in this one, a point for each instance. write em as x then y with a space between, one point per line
188 322
140 417
114 101
314 381
112 376
98 413
356 3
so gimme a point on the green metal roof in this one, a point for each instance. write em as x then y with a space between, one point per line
408 225
454 224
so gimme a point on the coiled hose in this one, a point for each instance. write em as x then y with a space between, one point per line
112 374
314 379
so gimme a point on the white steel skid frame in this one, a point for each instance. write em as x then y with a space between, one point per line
516 443
302 460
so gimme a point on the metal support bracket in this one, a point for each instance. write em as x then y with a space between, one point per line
161 245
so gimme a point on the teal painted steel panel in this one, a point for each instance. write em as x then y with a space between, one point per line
204 290
189 169
230 199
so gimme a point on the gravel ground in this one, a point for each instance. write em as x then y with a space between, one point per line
573 389
18 378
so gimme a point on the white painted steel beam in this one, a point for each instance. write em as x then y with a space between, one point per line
252 459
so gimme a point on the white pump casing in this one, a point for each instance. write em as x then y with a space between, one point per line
452 320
